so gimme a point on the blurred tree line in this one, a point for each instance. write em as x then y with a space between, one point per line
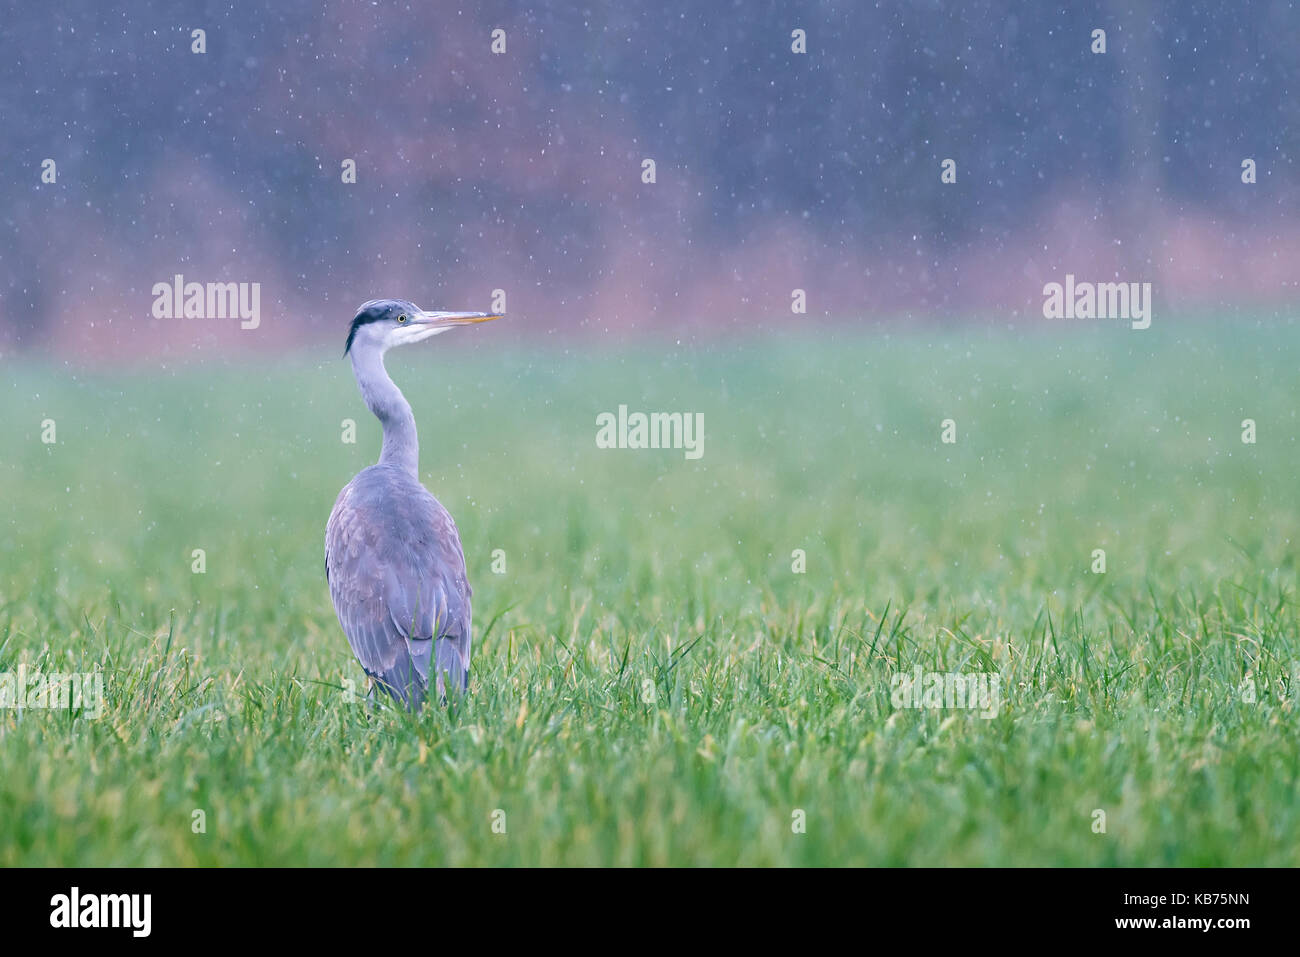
523 169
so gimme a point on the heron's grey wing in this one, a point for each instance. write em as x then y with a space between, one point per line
356 563
433 608
435 604
397 578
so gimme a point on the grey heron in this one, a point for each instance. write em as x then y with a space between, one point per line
393 556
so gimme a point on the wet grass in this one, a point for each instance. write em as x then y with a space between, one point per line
652 682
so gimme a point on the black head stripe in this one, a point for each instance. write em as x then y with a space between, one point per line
372 311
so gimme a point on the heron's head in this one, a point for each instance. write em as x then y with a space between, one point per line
381 324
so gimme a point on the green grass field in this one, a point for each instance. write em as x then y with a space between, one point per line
652 684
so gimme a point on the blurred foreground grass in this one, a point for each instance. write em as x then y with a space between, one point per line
657 686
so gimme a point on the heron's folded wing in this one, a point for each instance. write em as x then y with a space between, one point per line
396 575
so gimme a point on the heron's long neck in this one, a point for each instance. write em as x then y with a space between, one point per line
383 397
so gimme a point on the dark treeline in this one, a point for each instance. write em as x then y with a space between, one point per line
523 170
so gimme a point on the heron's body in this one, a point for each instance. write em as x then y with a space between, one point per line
393 556
397 577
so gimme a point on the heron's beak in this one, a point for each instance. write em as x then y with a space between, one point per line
442 320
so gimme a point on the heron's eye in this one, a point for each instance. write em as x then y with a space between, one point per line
401 318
